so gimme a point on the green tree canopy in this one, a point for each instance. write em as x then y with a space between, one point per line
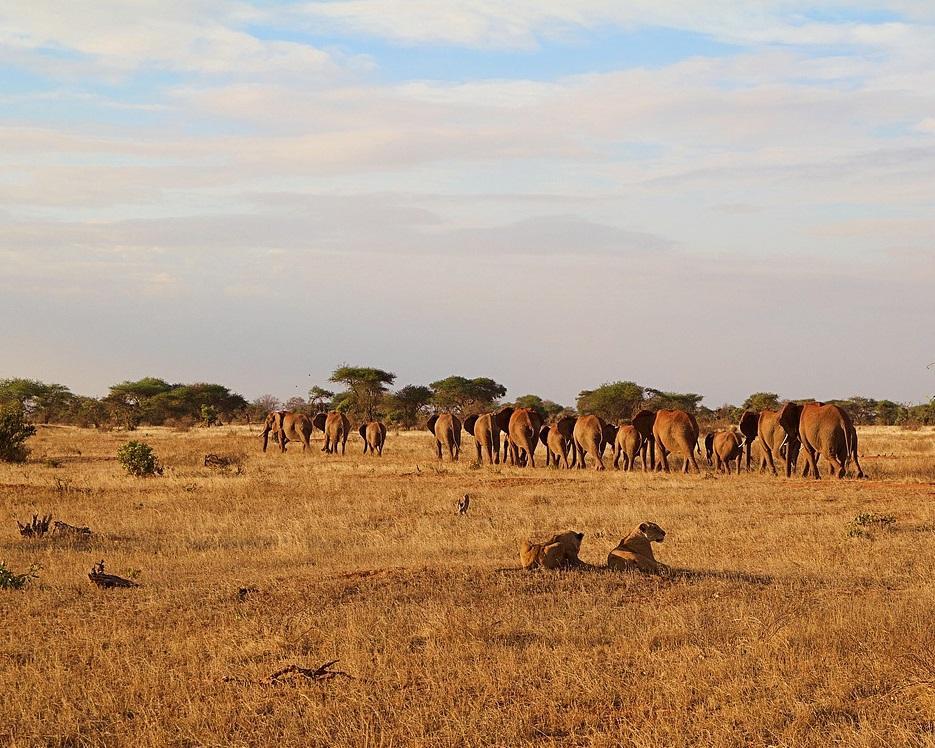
366 387
320 398
660 400
545 408
40 401
405 406
614 401
760 401
464 395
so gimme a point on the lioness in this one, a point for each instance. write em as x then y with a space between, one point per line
636 551
558 552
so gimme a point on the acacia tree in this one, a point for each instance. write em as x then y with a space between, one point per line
127 399
366 387
320 398
545 408
464 395
760 401
613 402
660 400
406 404
40 401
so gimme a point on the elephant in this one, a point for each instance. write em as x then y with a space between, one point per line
523 431
336 427
486 430
824 430
556 445
566 427
749 426
644 421
676 430
627 444
709 447
727 447
287 426
447 430
592 434
374 435
775 443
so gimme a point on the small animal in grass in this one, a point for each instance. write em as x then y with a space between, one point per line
635 551
463 504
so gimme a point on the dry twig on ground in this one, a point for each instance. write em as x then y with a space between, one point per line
108 581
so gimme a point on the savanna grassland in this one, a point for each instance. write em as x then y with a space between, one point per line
785 624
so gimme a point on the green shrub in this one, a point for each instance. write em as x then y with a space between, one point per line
14 430
10 580
139 460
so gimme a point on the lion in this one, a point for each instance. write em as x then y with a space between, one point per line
635 551
558 552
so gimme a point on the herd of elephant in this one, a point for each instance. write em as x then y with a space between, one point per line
511 435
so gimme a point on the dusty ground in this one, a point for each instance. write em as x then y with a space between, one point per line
782 629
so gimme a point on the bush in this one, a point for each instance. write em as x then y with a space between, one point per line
10 580
14 430
139 460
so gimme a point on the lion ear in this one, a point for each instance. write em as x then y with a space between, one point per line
580 536
644 526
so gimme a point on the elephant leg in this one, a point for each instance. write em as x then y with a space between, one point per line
812 464
438 448
579 455
564 459
479 451
531 455
837 466
451 448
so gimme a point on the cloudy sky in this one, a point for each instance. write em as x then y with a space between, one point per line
719 198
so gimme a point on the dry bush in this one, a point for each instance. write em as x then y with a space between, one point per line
777 630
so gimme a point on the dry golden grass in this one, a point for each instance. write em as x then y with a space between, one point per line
783 630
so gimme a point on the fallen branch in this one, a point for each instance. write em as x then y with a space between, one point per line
63 529
35 529
108 581
321 673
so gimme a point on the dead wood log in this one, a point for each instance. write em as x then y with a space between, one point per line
64 530
108 581
35 529
321 673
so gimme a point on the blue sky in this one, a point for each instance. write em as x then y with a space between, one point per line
552 194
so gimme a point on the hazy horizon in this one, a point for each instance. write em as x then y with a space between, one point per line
554 195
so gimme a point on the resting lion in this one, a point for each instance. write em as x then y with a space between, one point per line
558 552
635 551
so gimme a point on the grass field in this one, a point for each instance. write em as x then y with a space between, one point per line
785 625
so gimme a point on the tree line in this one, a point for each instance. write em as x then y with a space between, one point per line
367 393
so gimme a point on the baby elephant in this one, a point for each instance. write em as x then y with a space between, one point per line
558 552
727 447
635 551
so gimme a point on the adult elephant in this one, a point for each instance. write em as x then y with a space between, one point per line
592 434
486 430
775 443
676 431
336 427
824 430
727 447
287 427
556 445
374 435
627 444
447 430
749 426
643 422
523 431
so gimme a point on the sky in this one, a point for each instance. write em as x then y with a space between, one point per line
718 198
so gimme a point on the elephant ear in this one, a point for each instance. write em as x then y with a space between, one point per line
469 424
362 431
502 417
609 432
382 429
430 425
319 421
709 442
749 421
544 435
789 417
